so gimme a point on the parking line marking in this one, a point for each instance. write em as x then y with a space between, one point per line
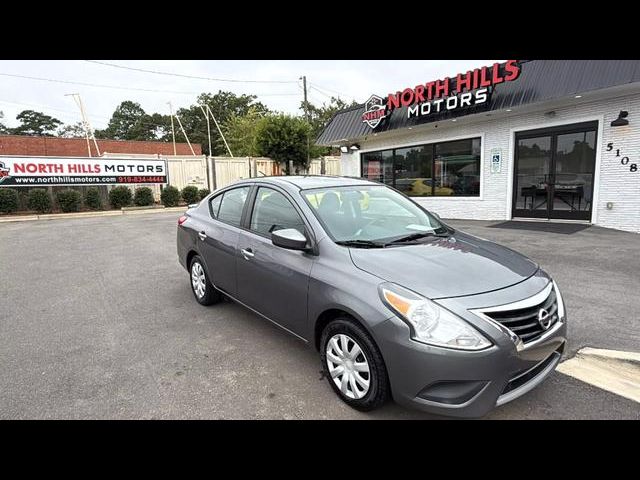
615 371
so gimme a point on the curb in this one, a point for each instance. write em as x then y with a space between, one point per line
22 218
632 357
53 216
109 213
615 371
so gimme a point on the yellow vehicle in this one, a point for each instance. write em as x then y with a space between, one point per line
421 187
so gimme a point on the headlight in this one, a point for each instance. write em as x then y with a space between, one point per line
561 310
431 323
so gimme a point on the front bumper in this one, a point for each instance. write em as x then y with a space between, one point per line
464 383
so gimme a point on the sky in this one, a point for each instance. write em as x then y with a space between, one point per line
276 83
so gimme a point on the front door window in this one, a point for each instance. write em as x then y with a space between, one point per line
575 159
532 177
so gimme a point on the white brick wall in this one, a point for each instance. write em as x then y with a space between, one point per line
614 182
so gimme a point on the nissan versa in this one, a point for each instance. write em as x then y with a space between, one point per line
398 303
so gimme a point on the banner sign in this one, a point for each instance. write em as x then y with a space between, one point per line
23 171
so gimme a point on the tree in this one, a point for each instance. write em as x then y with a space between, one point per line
75 130
318 119
223 105
283 138
3 128
241 131
129 122
35 123
161 125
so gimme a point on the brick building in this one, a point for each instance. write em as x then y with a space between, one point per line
77 147
538 139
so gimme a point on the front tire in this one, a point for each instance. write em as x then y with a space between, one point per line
200 285
353 365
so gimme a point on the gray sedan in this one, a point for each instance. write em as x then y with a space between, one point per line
398 303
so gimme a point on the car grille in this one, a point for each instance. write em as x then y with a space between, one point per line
524 322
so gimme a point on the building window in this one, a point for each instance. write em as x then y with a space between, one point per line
457 167
378 166
413 171
436 169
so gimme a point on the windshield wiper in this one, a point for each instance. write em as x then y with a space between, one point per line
416 236
360 244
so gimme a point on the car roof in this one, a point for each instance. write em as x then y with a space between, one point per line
304 182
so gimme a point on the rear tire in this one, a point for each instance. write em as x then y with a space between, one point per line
200 285
353 365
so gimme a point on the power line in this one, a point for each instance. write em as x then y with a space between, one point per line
94 84
330 97
315 100
156 72
36 105
327 89
319 89
128 88
321 92
69 113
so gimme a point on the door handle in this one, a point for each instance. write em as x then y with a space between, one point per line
202 236
247 253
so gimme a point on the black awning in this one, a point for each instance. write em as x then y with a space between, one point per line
539 81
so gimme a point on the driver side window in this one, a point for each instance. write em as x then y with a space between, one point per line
273 211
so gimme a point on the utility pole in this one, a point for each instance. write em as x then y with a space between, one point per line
306 114
88 130
304 87
173 131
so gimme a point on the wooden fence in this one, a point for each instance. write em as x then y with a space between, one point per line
231 169
198 170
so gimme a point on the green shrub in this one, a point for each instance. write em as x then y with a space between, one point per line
69 200
120 197
92 199
203 192
143 197
8 200
190 194
39 200
23 199
170 196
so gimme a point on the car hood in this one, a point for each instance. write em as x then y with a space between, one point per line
441 267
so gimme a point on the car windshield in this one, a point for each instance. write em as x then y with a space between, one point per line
376 214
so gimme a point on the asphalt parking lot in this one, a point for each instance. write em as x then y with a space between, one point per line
97 320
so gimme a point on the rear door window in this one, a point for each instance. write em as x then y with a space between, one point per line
232 204
214 205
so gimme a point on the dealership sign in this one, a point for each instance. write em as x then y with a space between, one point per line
50 171
448 94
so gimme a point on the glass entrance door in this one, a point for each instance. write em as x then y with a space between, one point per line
554 171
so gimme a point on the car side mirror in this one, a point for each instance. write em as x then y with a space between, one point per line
289 238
